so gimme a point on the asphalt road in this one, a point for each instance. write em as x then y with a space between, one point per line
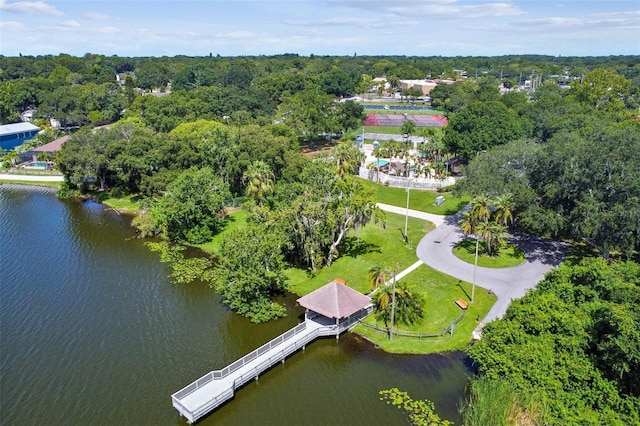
436 250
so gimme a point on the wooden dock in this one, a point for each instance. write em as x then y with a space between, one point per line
214 388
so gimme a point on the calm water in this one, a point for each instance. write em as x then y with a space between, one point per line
92 332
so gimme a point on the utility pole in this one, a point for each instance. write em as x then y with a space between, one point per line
393 305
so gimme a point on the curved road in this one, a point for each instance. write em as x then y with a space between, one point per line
436 250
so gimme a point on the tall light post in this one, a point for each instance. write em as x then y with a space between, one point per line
393 305
475 268
406 217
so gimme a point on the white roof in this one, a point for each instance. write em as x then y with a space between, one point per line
9 129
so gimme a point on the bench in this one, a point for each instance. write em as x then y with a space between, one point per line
462 304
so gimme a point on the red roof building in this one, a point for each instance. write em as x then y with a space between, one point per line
335 300
52 146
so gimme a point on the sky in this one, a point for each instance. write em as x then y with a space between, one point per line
320 27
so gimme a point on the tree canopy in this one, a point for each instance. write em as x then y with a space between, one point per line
573 343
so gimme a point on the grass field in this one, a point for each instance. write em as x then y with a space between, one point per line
385 130
441 292
126 204
374 245
507 257
378 245
237 219
32 183
421 200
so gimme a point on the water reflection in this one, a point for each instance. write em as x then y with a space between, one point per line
93 332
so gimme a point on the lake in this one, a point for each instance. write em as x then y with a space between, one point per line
93 332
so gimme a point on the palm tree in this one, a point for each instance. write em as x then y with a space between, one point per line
260 180
377 152
347 157
469 225
472 223
377 276
481 208
504 209
11 158
496 236
408 304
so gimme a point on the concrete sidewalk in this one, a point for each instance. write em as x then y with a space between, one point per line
32 178
436 250
434 218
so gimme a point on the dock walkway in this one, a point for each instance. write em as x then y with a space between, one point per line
214 388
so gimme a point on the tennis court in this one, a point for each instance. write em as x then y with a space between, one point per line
396 120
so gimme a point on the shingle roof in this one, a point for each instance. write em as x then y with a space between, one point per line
53 145
334 300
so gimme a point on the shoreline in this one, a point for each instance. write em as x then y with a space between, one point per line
128 212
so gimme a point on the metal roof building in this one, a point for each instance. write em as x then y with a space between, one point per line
12 135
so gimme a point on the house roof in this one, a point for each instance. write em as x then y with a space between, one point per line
9 129
335 300
53 145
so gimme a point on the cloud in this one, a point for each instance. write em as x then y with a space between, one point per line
30 7
441 9
12 26
598 21
96 16
70 24
336 21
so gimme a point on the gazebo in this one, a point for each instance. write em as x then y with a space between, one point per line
335 304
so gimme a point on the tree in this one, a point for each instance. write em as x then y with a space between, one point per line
603 89
469 225
481 126
485 224
408 127
192 209
259 180
377 276
348 158
408 304
309 113
585 188
350 115
503 209
249 273
571 345
338 83
322 210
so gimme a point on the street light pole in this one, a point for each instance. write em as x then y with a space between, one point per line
406 217
475 267
393 305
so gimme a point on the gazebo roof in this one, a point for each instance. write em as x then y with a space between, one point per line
335 300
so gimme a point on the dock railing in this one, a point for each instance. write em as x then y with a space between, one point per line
276 352
220 374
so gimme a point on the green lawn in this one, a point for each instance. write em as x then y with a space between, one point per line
237 219
32 183
421 200
441 292
386 130
507 257
377 246
125 204
382 245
